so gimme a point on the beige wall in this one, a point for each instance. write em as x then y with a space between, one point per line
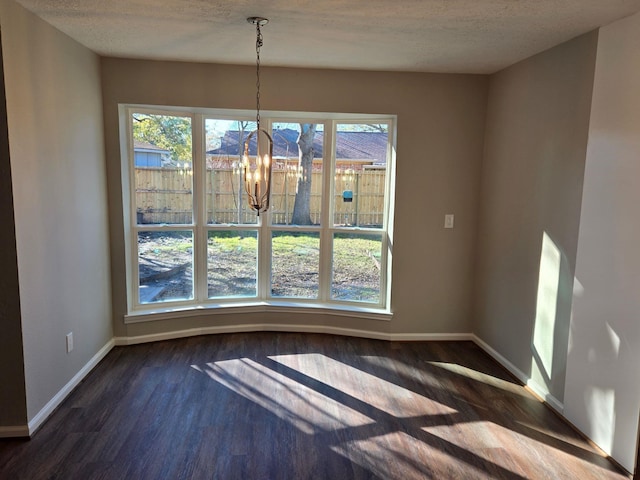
536 138
602 392
59 188
439 149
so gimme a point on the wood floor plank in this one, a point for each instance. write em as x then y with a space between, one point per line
298 406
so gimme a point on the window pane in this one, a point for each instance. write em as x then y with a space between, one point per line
360 174
232 263
226 197
165 265
163 172
294 264
356 267
296 188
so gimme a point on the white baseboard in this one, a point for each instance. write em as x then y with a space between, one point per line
48 409
544 394
431 337
14 431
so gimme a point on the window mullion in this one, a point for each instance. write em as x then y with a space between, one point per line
264 240
131 235
264 257
324 275
135 268
199 210
389 207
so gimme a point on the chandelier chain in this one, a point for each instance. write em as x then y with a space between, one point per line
258 45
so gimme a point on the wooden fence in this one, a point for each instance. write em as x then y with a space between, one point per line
165 195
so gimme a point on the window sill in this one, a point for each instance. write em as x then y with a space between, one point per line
167 313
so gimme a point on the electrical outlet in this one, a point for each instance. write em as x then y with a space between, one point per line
69 342
448 220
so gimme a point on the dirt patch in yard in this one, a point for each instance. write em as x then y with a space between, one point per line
166 269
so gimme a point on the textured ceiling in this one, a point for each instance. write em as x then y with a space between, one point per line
464 36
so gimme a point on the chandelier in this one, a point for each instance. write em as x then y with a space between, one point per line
257 168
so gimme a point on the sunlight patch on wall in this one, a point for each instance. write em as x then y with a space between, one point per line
578 288
578 292
600 403
615 339
546 306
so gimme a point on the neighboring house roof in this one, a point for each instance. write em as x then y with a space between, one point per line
362 146
141 146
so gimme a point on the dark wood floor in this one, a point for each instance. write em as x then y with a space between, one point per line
300 406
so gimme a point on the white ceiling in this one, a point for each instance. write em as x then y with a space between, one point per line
464 36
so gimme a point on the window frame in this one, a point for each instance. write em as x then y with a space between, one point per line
200 229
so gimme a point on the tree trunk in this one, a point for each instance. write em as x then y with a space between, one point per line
302 205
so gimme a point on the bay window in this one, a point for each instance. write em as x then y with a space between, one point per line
194 242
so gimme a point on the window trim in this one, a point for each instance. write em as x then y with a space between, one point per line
172 312
263 302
